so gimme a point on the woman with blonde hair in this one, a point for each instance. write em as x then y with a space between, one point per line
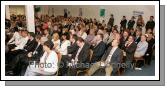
56 42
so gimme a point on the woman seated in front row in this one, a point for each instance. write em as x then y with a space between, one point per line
48 64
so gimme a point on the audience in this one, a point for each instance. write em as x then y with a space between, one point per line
73 38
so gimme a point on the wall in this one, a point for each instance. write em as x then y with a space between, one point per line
17 9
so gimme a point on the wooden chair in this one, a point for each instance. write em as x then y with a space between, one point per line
139 59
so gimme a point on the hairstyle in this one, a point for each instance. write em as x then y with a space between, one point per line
75 37
38 37
56 36
80 39
101 36
49 44
132 37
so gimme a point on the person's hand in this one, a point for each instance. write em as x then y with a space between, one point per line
29 54
12 49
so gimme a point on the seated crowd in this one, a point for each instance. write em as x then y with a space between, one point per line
65 46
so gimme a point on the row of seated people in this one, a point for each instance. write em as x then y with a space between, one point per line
74 53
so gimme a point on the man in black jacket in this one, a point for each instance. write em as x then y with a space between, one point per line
81 59
130 48
149 51
150 24
131 23
123 24
24 59
98 49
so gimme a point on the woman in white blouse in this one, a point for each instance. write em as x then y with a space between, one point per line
48 64
64 44
56 42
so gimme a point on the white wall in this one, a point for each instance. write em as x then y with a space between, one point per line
17 9
92 11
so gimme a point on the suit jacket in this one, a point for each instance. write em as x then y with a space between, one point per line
115 59
83 56
38 53
98 52
122 42
150 46
137 40
72 49
30 45
130 50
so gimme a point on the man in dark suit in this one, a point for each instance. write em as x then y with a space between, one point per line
81 58
110 22
23 60
110 60
149 51
130 47
124 38
150 24
123 24
98 49
137 37
72 50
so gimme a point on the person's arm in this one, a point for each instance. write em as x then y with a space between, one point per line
143 48
22 44
12 39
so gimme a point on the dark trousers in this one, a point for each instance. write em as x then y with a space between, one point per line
63 68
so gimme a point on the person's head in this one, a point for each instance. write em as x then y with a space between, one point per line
150 35
38 38
112 15
91 31
140 17
73 38
24 33
80 42
105 30
99 37
48 45
38 28
138 32
131 39
151 18
55 36
117 36
125 33
46 32
115 43
65 36
149 31
133 17
124 17
143 38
